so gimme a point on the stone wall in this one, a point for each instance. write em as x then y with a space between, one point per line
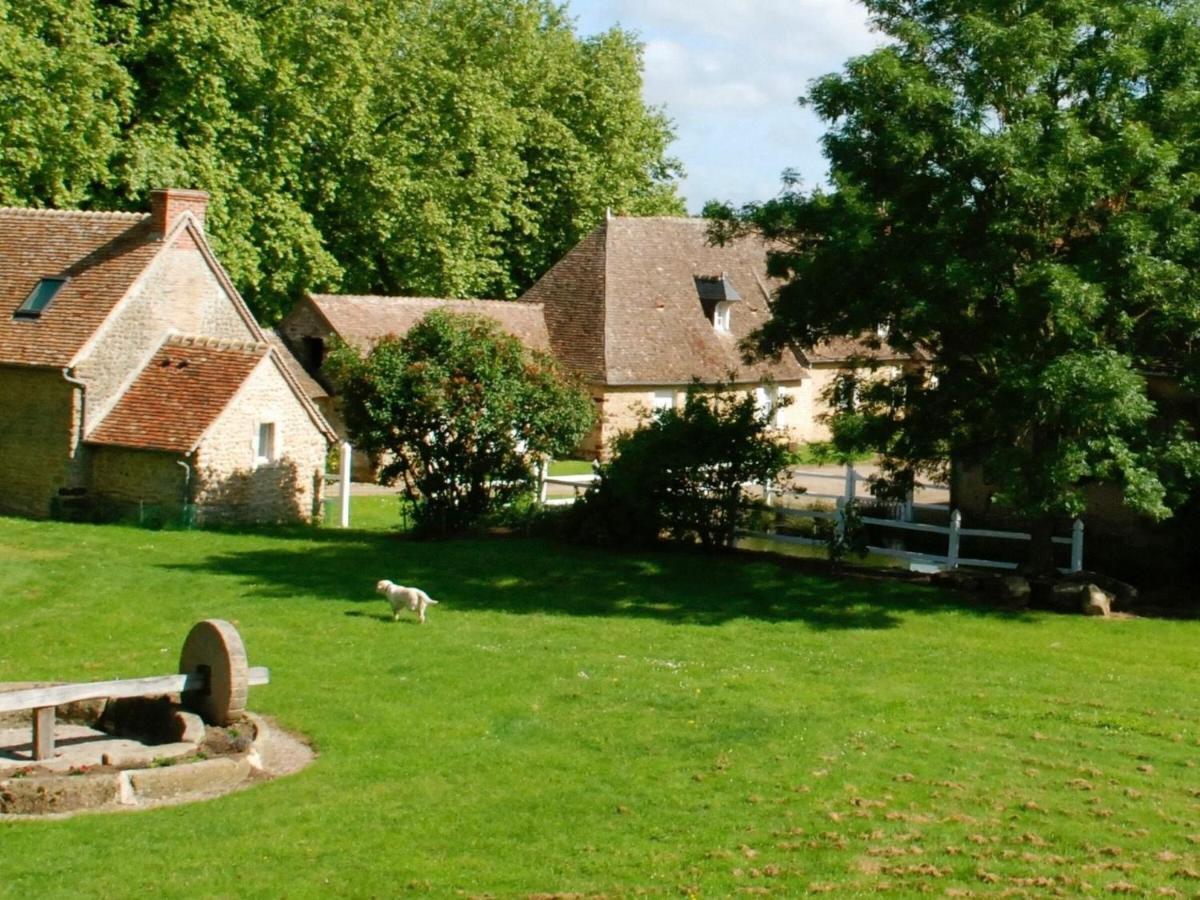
621 409
39 427
129 479
229 485
179 292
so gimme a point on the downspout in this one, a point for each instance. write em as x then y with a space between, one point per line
71 379
187 489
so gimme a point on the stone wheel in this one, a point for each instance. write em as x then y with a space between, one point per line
215 648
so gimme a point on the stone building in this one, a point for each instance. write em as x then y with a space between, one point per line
642 306
132 374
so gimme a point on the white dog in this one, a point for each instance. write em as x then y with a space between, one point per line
400 596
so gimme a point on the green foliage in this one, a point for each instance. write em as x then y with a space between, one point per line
463 413
451 148
1016 195
683 473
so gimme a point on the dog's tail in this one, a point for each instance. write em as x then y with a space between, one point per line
429 599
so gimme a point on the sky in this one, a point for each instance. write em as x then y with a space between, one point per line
728 73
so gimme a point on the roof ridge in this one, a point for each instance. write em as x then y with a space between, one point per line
35 211
215 343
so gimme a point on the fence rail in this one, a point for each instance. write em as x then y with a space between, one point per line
954 532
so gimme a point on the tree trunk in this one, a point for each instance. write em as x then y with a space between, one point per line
1041 546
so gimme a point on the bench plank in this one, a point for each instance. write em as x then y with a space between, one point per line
38 698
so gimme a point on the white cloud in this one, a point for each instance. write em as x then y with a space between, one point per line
729 72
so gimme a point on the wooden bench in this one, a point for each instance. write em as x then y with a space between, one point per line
214 679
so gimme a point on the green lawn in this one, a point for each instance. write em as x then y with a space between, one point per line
577 721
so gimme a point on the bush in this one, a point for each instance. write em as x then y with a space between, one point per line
683 473
462 413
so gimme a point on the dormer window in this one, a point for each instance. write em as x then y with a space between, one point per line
717 296
39 298
721 316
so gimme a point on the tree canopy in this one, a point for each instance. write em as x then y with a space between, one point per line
460 412
1015 195
442 147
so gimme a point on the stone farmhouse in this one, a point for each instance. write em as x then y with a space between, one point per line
132 374
642 306
638 309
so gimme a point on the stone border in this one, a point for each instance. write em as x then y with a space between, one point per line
272 753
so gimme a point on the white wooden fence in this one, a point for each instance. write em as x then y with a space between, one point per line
954 533
849 481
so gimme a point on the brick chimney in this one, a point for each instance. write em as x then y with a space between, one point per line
166 204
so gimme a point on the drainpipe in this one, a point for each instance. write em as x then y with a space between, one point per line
187 487
71 379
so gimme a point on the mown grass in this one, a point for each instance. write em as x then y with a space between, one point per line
577 721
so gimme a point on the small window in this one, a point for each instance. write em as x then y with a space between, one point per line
39 298
265 449
766 401
664 400
721 316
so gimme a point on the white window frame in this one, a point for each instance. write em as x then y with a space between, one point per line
722 314
662 400
766 399
261 459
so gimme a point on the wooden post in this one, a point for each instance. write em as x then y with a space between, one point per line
907 512
1077 546
43 732
851 477
344 463
543 488
839 523
768 493
955 527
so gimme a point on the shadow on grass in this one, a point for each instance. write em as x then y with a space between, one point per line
525 575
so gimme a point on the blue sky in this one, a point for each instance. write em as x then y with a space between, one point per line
728 73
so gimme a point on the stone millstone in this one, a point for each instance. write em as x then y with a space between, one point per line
214 647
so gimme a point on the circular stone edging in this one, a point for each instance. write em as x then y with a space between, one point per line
36 796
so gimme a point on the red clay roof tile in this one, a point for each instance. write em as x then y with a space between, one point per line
101 254
179 394
363 319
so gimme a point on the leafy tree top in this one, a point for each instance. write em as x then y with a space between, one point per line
1016 194
443 148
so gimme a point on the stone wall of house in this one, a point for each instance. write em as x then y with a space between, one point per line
179 292
303 322
133 481
621 409
39 450
229 485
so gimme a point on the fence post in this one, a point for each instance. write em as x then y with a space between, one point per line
907 512
955 527
344 482
851 477
768 492
543 488
1077 546
839 522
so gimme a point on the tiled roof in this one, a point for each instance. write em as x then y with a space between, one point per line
632 304
307 383
179 394
362 320
101 254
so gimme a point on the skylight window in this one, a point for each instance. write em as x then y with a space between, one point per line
39 298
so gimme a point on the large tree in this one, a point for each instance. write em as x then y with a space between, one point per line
446 147
1016 197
